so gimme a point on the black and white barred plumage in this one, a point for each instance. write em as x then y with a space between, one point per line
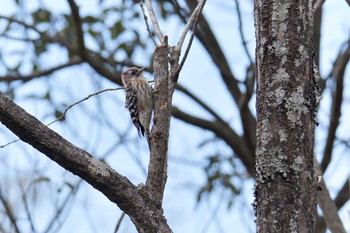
138 99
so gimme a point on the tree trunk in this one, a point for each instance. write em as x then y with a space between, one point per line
285 188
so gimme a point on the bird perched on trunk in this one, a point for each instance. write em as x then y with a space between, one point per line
138 99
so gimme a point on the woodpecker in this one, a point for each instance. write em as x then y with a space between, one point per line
138 99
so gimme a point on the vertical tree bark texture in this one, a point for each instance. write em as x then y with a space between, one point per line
286 100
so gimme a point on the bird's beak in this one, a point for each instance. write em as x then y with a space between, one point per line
141 70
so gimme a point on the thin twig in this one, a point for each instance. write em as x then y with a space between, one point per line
82 100
187 49
146 21
318 4
154 21
64 205
119 223
241 32
327 205
10 19
9 213
26 207
68 108
338 73
193 19
72 62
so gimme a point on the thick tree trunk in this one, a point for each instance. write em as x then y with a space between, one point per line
286 101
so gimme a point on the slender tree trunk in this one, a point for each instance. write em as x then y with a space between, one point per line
286 101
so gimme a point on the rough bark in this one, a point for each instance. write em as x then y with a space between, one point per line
134 201
286 101
157 174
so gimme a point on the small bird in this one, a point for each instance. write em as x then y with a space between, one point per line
138 99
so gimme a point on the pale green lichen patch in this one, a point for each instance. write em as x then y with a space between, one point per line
271 163
280 11
281 75
297 164
293 226
295 105
266 133
282 135
280 95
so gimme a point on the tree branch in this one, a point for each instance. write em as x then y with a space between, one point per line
146 21
62 207
114 186
159 137
317 34
119 223
225 133
93 59
343 194
337 98
244 42
26 208
200 102
11 19
318 4
37 74
340 200
329 210
9 212
154 21
78 28
209 41
192 21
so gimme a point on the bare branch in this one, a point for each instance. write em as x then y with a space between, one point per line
26 208
146 21
9 212
225 133
200 102
78 28
343 194
244 42
62 207
119 223
211 44
103 66
193 19
154 21
68 108
329 210
340 200
82 100
102 177
37 74
10 19
337 98
318 4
